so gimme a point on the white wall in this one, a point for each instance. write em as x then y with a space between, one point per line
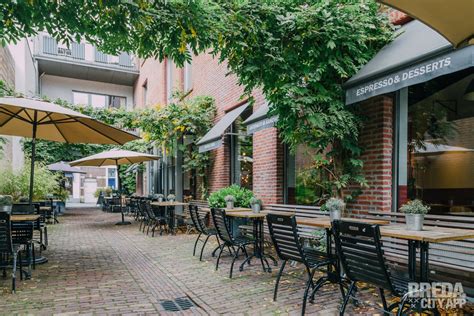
25 83
55 87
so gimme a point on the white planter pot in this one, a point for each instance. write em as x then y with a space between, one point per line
160 200
6 209
414 221
256 208
230 205
335 215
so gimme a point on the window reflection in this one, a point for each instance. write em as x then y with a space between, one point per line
441 145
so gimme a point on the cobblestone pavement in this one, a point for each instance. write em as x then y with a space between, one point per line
96 267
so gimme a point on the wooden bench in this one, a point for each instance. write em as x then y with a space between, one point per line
451 261
300 211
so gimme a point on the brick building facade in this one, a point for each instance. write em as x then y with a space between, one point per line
208 77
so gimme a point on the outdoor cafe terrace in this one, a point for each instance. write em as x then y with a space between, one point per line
148 267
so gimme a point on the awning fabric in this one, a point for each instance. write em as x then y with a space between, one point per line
259 120
417 55
452 19
213 138
64 167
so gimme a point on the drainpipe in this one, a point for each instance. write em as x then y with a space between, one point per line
38 89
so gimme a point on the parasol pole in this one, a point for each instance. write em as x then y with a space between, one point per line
33 154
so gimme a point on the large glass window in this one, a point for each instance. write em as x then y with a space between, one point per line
241 148
440 145
302 178
98 100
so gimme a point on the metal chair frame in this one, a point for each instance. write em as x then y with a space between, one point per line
359 248
284 234
7 249
203 230
228 240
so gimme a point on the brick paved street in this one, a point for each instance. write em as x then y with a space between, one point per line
96 267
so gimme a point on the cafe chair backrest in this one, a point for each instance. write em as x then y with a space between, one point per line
221 225
5 233
197 221
359 248
284 233
22 233
23 209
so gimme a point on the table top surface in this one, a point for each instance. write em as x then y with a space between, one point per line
24 218
227 210
168 203
428 234
245 214
325 222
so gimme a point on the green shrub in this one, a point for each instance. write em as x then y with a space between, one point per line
242 197
107 191
17 183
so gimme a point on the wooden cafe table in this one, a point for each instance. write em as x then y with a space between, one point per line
421 240
416 239
227 210
258 250
170 211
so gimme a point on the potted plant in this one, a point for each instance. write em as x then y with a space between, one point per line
229 201
335 207
6 202
160 197
171 197
256 204
414 214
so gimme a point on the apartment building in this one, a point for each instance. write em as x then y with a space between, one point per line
78 73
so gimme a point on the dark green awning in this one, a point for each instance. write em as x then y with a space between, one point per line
417 55
213 138
259 120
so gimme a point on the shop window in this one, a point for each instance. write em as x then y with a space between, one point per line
98 100
440 145
241 149
302 178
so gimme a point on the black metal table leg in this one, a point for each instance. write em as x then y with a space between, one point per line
258 251
412 245
424 261
123 222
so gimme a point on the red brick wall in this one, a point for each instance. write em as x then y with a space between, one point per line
268 166
211 78
377 140
153 72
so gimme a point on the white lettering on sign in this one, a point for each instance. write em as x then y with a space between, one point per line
409 74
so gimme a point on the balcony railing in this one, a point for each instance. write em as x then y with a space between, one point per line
47 46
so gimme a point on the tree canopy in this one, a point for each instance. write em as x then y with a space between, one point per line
299 52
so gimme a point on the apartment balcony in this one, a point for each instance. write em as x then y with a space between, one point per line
83 61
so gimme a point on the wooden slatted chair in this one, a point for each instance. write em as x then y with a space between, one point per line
228 240
203 230
359 248
286 240
7 249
